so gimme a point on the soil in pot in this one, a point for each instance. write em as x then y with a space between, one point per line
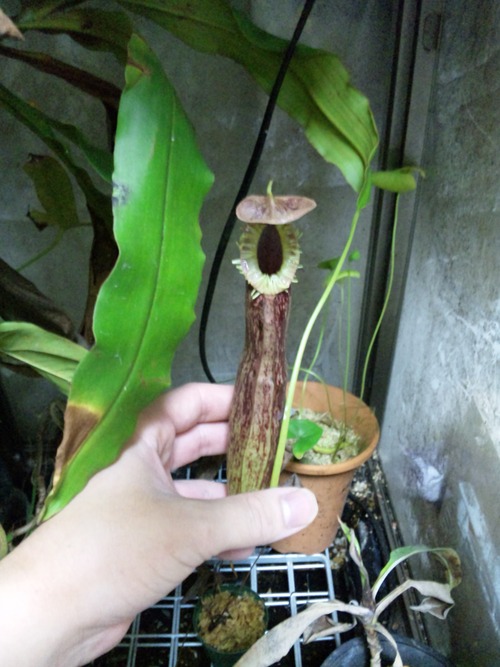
329 482
228 620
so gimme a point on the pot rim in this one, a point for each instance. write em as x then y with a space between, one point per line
323 470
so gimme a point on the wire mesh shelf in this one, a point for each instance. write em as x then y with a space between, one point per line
163 635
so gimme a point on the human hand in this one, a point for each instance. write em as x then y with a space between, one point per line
133 534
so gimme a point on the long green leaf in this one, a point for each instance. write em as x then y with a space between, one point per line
147 304
54 357
4 545
100 159
49 130
316 92
92 28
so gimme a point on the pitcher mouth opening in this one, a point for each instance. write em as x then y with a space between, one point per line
269 257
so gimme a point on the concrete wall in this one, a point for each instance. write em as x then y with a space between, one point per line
441 435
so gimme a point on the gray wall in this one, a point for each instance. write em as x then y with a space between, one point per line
440 442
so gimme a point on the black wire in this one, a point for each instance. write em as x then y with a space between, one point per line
245 184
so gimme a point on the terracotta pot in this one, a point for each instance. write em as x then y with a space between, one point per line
330 483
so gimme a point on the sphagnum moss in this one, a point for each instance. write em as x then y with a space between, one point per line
230 622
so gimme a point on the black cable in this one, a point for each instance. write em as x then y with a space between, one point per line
245 184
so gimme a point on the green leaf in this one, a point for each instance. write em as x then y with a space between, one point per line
447 556
92 28
336 117
99 158
332 264
53 357
329 264
146 306
46 129
397 180
40 8
355 554
305 433
54 191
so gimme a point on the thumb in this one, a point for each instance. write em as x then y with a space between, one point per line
247 520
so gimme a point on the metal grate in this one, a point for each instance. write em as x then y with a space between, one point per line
163 635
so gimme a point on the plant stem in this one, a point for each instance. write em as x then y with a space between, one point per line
280 452
348 336
386 301
374 646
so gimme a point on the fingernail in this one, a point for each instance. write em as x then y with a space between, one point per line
299 508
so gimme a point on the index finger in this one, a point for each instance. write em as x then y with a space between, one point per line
187 411
196 403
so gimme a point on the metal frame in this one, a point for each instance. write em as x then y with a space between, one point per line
286 600
417 31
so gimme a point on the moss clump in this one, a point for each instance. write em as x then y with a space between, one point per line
231 622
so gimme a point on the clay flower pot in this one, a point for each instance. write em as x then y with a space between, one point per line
228 620
330 483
